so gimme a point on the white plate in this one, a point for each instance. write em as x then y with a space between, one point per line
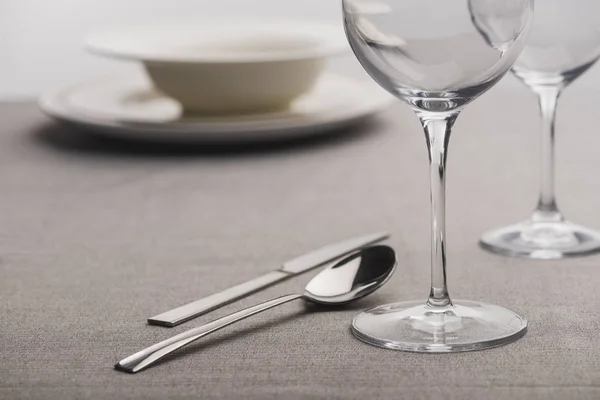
128 107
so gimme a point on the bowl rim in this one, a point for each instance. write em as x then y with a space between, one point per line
124 43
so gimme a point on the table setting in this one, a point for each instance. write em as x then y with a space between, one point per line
203 84
237 220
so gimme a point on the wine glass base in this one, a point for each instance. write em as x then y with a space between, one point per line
416 327
542 240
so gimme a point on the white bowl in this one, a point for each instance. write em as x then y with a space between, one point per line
241 67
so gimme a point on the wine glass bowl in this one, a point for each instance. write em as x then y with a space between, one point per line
564 43
438 56
442 64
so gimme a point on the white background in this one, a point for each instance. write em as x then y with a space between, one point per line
40 40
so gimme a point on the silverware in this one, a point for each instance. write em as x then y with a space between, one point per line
289 269
348 280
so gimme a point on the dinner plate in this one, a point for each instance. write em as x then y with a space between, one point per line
128 107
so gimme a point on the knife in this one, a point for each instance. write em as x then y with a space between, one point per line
289 269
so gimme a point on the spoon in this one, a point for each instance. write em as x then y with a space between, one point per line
350 279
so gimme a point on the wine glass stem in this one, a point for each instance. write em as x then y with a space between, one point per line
437 131
547 208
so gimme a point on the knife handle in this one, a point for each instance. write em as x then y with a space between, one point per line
192 310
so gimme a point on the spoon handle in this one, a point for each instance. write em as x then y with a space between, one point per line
147 357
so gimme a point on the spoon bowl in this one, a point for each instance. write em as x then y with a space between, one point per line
352 278
345 281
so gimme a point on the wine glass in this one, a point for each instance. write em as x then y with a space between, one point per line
563 44
431 55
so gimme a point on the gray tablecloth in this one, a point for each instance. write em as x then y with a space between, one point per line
96 236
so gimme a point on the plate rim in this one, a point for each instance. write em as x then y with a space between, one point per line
52 104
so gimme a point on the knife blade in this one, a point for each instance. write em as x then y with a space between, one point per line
288 270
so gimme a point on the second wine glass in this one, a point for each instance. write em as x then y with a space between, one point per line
429 54
564 43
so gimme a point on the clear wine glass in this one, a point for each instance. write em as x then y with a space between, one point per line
431 55
563 44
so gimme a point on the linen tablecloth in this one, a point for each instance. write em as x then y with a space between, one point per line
96 236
